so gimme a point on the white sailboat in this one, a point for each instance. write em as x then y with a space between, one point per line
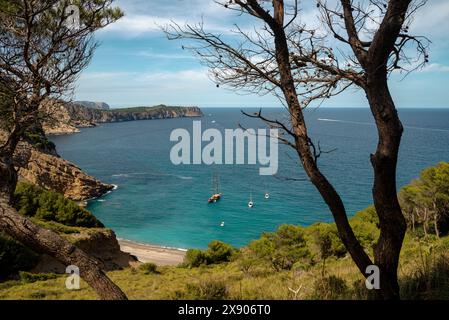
251 202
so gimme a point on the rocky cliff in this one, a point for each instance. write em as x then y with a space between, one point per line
66 118
54 173
94 105
101 244
38 163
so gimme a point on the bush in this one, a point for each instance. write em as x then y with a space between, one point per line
14 257
326 241
283 248
195 258
148 268
207 290
219 252
27 277
33 201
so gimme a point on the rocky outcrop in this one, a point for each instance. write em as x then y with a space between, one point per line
54 173
80 114
93 105
66 118
101 244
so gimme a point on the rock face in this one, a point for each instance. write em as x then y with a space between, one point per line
100 244
66 118
54 173
93 105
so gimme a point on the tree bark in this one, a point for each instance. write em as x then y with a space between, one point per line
324 187
392 223
45 241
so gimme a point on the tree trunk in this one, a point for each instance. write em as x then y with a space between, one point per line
391 220
303 148
45 241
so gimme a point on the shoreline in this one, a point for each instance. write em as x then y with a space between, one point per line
159 255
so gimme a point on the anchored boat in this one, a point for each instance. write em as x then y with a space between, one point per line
216 195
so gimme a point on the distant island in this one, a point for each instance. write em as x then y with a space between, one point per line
66 118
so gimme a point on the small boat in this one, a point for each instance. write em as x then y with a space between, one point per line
213 121
222 224
251 202
216 195
267 194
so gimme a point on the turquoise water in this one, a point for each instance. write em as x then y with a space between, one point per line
160 203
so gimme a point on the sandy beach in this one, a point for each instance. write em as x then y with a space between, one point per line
151 253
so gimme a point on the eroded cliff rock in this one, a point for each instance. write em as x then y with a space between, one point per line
101 244
54 173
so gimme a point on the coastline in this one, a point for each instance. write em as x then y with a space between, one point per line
159 255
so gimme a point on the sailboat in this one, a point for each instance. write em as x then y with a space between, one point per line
251 202
216 195
267 194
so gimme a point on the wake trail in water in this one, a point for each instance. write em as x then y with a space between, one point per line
373 124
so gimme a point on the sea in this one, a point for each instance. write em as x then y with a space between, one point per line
157 202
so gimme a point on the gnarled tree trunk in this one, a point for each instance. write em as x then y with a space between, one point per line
45 241
392 223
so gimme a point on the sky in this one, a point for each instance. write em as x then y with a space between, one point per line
136 65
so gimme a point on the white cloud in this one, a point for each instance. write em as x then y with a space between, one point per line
169 56
435 67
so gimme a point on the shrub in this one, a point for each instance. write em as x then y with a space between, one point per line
219 251
33 201
207 290
148 268
325 241
195 258
14 257
283 248
27 277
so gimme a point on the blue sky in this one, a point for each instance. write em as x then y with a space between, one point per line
136 65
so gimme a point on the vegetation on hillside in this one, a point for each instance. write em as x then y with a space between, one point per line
293 262
33 201
49 210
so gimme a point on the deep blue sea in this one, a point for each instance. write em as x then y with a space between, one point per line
159 203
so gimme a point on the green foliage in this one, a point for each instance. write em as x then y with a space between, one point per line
27 277
14 257
40 141
365 226
195 258
148 268
325 241
217 252
33 201
208 289
283 248
425 202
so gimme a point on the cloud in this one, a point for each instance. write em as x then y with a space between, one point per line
435 67
432 20
168 56
147 17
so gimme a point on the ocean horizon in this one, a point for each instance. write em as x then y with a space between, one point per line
159 203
